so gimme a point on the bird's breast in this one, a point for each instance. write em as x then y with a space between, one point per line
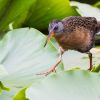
80 39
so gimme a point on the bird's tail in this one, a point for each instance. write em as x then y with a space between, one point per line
98 26
98 33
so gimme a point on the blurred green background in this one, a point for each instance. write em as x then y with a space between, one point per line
36 13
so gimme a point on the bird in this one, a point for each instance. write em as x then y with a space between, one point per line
74 33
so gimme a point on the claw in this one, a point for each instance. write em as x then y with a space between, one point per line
53 68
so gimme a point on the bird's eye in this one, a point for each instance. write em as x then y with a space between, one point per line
56 27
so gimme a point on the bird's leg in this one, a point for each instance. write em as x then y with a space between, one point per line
53 68
90 60
61 50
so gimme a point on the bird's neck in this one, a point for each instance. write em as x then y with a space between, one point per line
60 39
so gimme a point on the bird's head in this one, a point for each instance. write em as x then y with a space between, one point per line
55 28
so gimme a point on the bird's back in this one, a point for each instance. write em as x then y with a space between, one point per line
71 23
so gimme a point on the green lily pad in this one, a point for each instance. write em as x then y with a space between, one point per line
22 56
86 10
20 95
70 85
3 71
2 87
72 59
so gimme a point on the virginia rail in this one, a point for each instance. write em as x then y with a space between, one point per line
75 33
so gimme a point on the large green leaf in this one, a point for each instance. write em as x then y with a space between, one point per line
34 13
21 95
97 4
2 87
70 85
3 5
22 55
87 10
15 12
47 10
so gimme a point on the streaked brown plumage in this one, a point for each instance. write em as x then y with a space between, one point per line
75 33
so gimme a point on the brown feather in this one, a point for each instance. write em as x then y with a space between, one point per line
78 33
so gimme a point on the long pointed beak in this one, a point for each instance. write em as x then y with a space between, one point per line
51 34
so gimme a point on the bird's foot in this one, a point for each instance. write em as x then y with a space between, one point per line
52 69
90 69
